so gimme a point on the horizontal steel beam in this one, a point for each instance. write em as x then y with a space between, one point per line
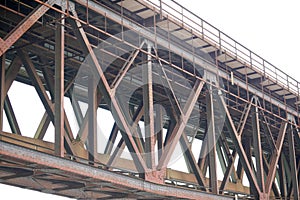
31 156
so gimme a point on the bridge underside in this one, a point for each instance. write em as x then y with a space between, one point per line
50 174
168 81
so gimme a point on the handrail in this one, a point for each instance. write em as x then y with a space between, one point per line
227 43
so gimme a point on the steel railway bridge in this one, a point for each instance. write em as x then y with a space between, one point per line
168 80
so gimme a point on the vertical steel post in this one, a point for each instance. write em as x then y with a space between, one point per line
293 163
257 147
248 150
59 86
213 181
159 131
282 177
2 88
149 110
92 116
160 9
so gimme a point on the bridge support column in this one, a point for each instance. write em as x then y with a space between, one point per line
2 89
92 118
59 87
149 111
213 181
293 163
257 150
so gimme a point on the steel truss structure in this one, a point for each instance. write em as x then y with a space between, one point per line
223 105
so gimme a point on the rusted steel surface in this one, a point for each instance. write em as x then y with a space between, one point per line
48 164
177 85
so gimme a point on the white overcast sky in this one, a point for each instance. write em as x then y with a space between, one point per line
270 28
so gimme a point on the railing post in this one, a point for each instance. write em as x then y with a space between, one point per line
220 44
160 10
202 29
